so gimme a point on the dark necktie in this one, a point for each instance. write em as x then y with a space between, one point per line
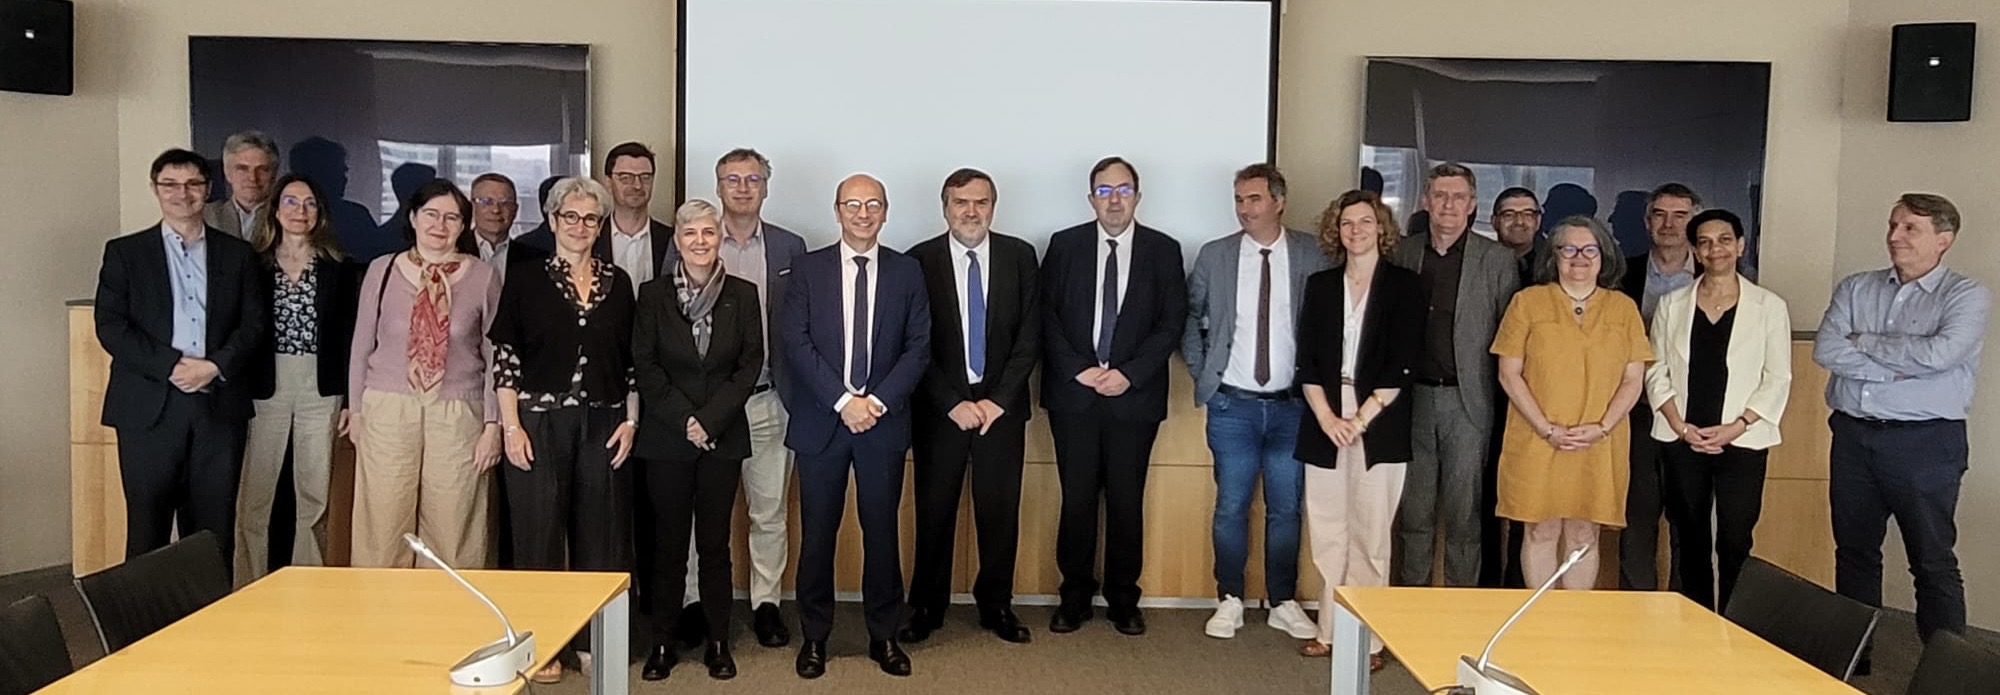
975 317
1108 306
857 370
1264 321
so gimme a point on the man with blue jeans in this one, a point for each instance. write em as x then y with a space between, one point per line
1245 293
1902 346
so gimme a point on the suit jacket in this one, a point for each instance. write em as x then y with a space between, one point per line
135 317
1486 283
1150 321
1633 282
1013 325
221 215
543 239
1392 335
1759 361
338 290
1211 303
781 249
676 381
814 336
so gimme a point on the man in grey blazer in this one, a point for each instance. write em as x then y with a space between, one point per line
1245 293
250 164
1467 281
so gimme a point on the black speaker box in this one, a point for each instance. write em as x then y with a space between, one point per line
1930 72
36 46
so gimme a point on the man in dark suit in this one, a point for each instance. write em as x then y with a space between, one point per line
1667 266
178 309
1114 302
974 405
855 326
630 238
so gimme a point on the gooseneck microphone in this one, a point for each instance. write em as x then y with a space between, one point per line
1485 679
495 663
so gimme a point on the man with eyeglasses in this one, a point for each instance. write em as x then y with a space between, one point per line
855 324
1113 306
178 309
1468 281
1517 220
250 164
494 208
1648 277
1517 216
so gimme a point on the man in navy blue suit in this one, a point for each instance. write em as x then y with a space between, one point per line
855 332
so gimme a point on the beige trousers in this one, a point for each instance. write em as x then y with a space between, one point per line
413 473
1350 516
294 415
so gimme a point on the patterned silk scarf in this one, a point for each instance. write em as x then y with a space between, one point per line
698 301
430 323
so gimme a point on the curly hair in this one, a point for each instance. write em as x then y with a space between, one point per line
1328 231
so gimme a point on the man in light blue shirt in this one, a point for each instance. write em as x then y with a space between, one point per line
1902 346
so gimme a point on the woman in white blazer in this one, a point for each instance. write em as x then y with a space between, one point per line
1718 385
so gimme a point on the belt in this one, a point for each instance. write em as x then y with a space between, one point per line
1427 381
760 388
1246 394
1881 424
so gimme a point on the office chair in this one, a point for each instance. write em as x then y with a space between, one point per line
149 592
1818 626
1953 665
32 651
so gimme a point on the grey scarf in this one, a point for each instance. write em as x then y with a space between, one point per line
697 303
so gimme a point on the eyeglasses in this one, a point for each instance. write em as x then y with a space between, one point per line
1120 191
489 201
431 215
195 186
736 181
1505 215
1572 250
856 205
570 217
292 202
625 178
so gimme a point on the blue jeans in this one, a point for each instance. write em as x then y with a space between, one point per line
1249 438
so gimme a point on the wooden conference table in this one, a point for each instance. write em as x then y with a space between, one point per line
346 630
1570 642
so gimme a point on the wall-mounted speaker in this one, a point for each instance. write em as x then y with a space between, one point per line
36 46
1930 72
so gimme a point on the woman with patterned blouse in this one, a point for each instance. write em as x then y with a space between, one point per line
298 374
562 367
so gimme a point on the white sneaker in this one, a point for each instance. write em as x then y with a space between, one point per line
1291 619
1228 617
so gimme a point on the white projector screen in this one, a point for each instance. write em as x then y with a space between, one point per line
1030 91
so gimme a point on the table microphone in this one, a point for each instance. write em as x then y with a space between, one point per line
1482 678
498 662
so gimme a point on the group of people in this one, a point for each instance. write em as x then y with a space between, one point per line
629 376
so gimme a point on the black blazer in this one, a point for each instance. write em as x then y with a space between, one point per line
1633 284
135 317
676 382
338 292
539 322
1392 335
1013 327
1150 320
543 239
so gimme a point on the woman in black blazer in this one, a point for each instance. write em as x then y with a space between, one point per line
1361 324
298 373
698 345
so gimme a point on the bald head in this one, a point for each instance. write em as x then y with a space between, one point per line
862 205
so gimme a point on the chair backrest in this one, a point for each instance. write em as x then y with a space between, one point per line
1953 665
1818 626
149 592
32 652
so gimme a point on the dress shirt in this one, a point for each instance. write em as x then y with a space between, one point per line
1242 369
1356 309
187 270
847 274
632 252
1440 274
494 253
1659 283
1124 239
746 260
962 268
1916 346
246 220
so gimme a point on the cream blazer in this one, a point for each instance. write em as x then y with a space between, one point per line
1759 359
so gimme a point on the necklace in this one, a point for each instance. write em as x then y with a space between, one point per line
1577 303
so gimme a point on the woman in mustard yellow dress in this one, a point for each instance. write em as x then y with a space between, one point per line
1573 354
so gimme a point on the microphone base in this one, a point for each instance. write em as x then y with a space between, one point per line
1491 681
497 663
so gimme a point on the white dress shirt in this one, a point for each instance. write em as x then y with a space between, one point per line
847 274
962 269
494 253
632 252
1242 369
746 260
1124 240
1350 329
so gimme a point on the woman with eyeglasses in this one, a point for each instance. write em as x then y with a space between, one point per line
1573 353
298 374
1718 389
562 366
426 428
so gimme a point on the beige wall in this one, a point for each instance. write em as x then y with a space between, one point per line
1881 160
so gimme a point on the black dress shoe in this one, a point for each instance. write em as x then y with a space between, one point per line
923 622
812 659
890 657
721 666
692 628
1068 618
1129 621
660 663
770 626
1004 623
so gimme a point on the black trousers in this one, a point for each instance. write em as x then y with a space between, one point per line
942 452
570 510
1499 562
1731 486
1645 503
878 496
1910 471
1100 457
183 468
698 494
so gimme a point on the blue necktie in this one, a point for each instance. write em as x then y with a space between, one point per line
1108 309
857 370
975 319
